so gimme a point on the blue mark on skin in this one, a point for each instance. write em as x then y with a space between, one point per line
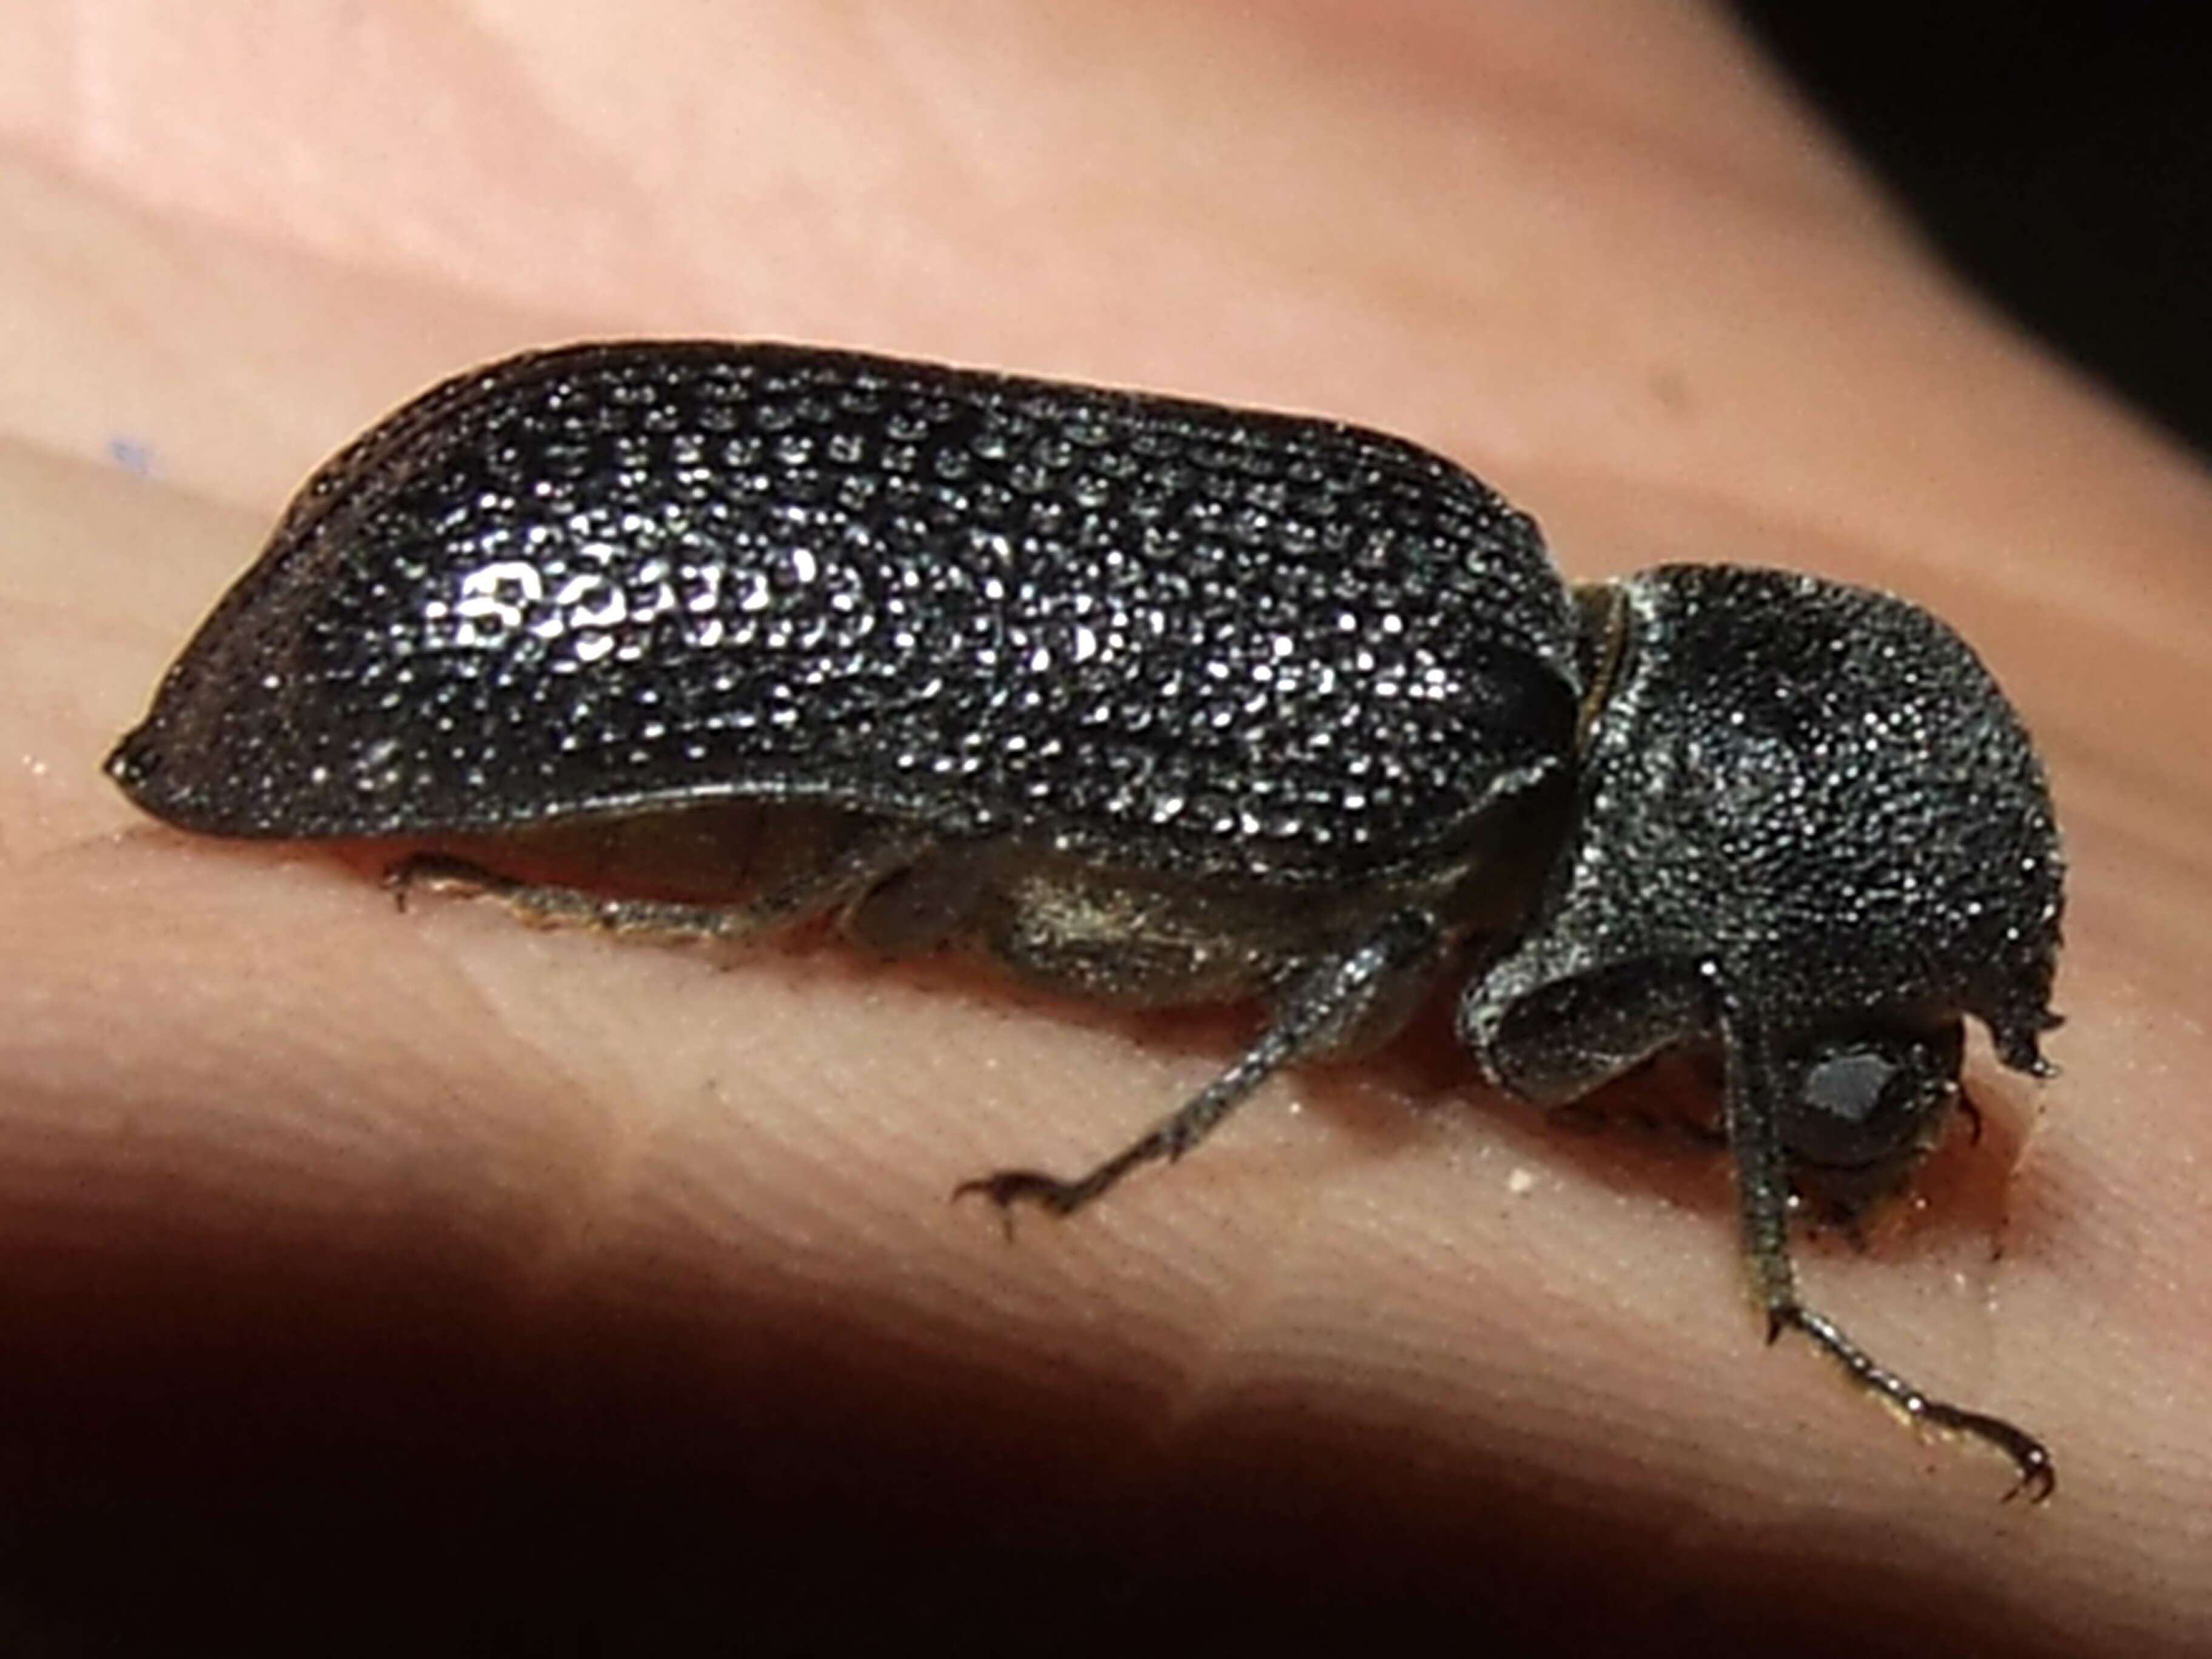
134 455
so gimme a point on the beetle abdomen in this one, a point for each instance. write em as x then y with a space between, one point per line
614 577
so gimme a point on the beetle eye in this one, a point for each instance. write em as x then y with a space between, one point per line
1868 1104
1858 1101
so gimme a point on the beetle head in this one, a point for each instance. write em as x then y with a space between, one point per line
1812 802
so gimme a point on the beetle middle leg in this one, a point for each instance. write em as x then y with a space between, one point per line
1753 1099
1350 999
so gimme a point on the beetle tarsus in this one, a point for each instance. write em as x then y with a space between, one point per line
2030 1457
1006 1188
1167 1139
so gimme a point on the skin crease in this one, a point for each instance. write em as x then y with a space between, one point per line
588 1285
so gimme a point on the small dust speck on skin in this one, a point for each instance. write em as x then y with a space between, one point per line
1521 1183
33 765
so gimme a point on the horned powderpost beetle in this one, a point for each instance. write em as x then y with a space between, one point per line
1157 703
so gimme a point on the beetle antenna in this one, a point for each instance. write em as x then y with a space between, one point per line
1753 1098
1973 1117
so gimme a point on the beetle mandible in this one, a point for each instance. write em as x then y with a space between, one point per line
1158 703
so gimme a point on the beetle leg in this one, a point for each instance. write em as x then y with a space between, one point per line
1753 1108
545 904
1335 1006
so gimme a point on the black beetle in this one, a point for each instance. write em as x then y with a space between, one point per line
1158 703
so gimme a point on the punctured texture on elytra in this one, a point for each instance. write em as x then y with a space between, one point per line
1180 637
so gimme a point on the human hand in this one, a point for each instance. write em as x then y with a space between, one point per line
611 1278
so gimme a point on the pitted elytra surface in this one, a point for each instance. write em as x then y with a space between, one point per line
1213 641
1152 702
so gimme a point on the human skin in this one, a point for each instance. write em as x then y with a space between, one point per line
377 1239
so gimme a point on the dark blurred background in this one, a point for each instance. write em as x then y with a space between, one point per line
2059 156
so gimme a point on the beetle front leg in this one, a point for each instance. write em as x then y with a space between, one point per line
1350 999
1754 1103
